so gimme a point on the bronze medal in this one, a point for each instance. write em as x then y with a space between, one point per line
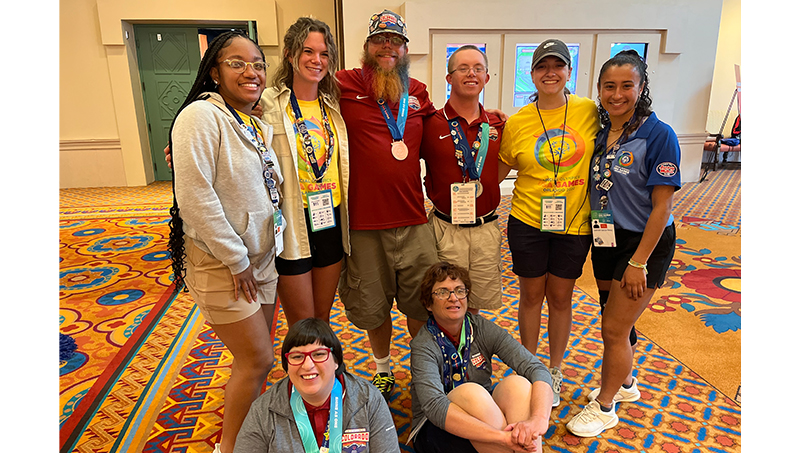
399 150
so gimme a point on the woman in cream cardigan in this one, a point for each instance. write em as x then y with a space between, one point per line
311 144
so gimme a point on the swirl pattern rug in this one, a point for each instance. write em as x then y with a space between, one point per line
149 374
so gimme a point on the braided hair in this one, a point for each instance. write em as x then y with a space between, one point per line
293 42
203 83
644 104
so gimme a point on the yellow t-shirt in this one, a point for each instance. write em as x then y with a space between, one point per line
312 115
525 147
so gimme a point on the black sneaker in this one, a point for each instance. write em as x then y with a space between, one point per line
385 383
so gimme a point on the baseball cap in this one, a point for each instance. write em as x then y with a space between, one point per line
551 47
387 22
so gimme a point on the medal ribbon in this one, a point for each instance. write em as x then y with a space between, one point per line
470 158
308 147
396 127
333 434
266 162
455 364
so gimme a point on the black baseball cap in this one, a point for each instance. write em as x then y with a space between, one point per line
554 48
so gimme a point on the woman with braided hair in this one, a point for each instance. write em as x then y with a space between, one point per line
225 217
635 173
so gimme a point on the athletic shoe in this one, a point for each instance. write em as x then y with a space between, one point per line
558 378
592 421
385 383
623 395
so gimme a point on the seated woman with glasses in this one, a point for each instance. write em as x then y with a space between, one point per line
454 405
319 406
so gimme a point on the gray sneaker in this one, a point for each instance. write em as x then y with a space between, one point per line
555 373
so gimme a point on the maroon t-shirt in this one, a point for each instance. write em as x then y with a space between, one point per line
384 192
441 164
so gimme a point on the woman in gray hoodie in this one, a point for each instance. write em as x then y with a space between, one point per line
226 224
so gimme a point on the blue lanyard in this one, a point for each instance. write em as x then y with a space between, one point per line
470 159
396 127
454 367
266 162
333 435
308 146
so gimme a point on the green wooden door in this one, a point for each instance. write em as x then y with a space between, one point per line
168 60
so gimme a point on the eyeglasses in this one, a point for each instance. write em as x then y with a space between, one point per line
317 356
464 70
240 66
444 293
381 39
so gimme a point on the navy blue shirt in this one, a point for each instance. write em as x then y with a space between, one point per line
650 157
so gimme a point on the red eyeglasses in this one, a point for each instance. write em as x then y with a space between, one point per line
317 356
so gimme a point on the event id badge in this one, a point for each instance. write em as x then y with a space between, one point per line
603 229
462 203
320 210
279 224
554 214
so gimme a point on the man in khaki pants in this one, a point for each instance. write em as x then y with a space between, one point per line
460 145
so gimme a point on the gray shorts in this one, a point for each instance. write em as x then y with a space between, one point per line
384 266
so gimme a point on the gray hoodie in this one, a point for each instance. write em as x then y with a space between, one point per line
270 425
219 185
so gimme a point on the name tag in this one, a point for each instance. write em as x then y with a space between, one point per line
462 203
320 210
603 229
554 214
279 224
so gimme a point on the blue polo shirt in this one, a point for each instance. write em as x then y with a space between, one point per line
650 157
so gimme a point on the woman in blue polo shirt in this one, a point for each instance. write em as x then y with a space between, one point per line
635 173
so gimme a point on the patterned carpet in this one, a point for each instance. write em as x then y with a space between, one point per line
149 373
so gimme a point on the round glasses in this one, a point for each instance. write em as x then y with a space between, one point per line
240 66
317 356
381 39
444 293
464 70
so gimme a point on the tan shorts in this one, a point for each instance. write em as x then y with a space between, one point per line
476 249
211 285
384 266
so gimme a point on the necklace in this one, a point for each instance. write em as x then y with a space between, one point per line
619 128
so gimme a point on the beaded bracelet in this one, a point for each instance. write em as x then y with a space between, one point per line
633 263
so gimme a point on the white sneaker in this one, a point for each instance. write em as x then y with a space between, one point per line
592 421
623 395
558 378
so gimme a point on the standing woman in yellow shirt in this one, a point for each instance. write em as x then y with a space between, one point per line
311 144
549 142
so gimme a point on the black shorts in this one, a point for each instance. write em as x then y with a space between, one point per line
609 263
326 249
432 439
535 253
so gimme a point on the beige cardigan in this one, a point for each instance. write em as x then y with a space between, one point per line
274 101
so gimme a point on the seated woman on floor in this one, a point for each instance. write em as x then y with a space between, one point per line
454 406
319 406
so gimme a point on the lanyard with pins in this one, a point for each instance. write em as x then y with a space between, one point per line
602 179
470 159
266 162
308 146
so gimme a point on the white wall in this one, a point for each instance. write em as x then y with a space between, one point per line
686 58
